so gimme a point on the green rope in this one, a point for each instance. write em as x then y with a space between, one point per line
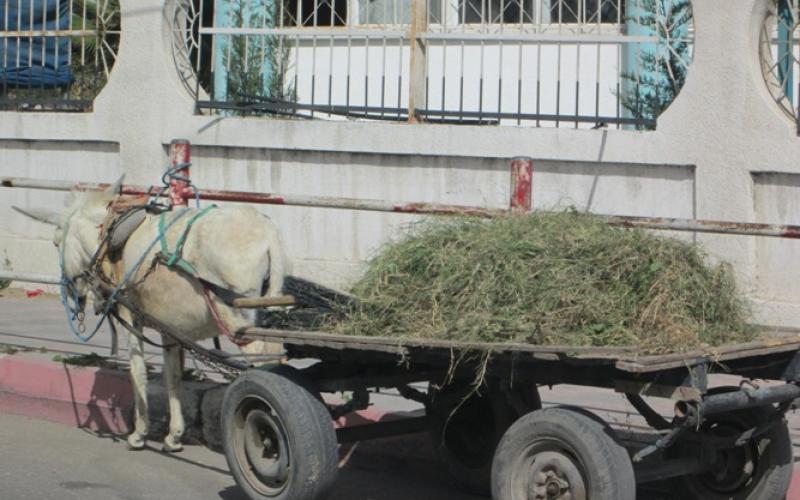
175 258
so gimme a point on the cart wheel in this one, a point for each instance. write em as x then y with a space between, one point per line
760 469
561 454
467 425
278 437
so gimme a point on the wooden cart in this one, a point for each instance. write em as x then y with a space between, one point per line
722 443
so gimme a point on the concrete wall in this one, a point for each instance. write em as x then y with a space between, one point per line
723 150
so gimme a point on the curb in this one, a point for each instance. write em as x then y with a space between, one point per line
93 398
794 489
101 399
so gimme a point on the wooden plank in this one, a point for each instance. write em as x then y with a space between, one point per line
627 359
256 332
259 302
749 350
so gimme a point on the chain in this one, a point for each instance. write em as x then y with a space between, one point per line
221 365
214 361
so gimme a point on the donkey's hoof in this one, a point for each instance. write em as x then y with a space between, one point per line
135 442
171 446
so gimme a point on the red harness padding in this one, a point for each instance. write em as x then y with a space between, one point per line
221 324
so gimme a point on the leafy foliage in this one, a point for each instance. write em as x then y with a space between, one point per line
248 56
661 72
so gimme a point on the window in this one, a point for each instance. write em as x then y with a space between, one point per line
315 13
495 11
56 54
587 11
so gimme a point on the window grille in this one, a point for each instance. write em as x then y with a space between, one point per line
563 63
780 55
56 54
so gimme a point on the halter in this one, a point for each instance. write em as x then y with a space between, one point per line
70 298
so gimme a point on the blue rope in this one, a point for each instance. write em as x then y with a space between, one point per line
68 284
171 173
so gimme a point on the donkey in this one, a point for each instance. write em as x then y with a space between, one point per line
233 247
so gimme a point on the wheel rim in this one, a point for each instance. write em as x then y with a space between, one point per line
548 469
261 446
731 470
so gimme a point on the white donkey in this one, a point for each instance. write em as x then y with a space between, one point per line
236 248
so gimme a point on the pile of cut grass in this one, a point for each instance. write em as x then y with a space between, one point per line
548 279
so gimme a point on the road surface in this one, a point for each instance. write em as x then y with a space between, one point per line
43 460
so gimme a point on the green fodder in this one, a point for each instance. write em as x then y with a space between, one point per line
548 278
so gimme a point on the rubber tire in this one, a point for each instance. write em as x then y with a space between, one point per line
607 469
491 403
311 437
775 474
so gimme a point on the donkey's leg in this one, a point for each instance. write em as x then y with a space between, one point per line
172 377
138 372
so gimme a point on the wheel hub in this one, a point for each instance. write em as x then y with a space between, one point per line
555 476
264 448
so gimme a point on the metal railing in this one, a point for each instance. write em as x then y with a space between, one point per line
56 54
780 55
577 63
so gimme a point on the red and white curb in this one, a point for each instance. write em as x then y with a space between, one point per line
94 398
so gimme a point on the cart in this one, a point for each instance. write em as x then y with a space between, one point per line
494 437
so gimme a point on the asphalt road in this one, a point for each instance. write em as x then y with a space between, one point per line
44 460
49 461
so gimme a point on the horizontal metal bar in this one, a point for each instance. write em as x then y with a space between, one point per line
319 31
269 104
672 224
266 198
334 32
709 226
648 472
540 38
383 429
53 33
29 277
747 398
448 116
536 116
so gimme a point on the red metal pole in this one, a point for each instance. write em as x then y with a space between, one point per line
689 225
521 184
180 155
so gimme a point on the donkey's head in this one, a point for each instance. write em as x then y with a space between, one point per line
77 233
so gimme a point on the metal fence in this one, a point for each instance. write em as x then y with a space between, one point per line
576 63
56 54
780 55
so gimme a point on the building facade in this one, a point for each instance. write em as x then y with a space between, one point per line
726 148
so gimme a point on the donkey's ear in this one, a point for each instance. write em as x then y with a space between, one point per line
114 189
41 214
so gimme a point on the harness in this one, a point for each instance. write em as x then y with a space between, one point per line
70 297
175 258
172 259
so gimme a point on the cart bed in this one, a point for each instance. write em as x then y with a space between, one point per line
775 345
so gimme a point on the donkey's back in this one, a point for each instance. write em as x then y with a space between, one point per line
234 249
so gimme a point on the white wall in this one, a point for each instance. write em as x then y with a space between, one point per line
722 129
